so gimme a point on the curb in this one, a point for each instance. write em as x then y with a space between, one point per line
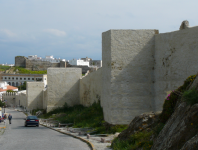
89 143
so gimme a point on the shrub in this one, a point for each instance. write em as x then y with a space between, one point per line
172 98
190 97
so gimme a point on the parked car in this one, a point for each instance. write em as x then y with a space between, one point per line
32 121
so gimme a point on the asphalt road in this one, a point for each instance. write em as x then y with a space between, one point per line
18 137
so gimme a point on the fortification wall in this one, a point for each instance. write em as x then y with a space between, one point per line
128 75
45 98
63 64
39 65
10 98
63 86
90 88
35 95
21 99
20 61
176 59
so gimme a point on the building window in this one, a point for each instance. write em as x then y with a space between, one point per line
24 78
20 78
16 78
28 78
12 78
38 79
5 77
9 78
32 78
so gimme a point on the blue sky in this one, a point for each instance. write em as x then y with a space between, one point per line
72 28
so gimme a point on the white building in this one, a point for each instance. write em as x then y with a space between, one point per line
4 87
19 79
47 58
79 62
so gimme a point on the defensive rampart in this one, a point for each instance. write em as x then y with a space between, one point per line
63 86
176 59
22 61
90 88
128 87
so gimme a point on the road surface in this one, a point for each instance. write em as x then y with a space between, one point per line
18 137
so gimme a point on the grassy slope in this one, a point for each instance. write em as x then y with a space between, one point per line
82 116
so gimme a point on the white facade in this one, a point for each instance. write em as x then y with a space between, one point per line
19 79
79 62
47 58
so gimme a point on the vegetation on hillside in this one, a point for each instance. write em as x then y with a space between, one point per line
4 68
25 71
143 139
82 117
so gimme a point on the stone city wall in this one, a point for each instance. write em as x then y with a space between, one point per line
128 60
9 97
34 95
176 59
45 98
21 99
90 88
63 87
20 61
40 65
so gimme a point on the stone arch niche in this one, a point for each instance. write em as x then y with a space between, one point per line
13 84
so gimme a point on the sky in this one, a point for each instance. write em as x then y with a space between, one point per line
70 29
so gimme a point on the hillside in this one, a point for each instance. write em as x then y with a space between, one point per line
19 70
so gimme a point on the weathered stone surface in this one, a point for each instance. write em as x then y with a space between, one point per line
63 87
90 88
139 123
184 25
176 59
127 74
179 129
34 95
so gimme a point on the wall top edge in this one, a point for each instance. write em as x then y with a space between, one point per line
70 68
23 74
190 28
131 30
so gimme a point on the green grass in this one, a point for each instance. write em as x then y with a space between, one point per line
25 71
82 117
4 68
137 140
190 96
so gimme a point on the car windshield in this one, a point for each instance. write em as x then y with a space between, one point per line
31 117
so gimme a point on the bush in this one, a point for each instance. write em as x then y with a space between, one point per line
171 100
190 97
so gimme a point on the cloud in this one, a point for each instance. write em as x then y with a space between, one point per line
8 33
55 32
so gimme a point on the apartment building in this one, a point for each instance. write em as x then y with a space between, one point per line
19 79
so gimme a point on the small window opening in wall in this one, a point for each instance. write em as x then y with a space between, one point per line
5 77
24 78
16 78
8 77
28 78
32 78
12 78
38 79
20 78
